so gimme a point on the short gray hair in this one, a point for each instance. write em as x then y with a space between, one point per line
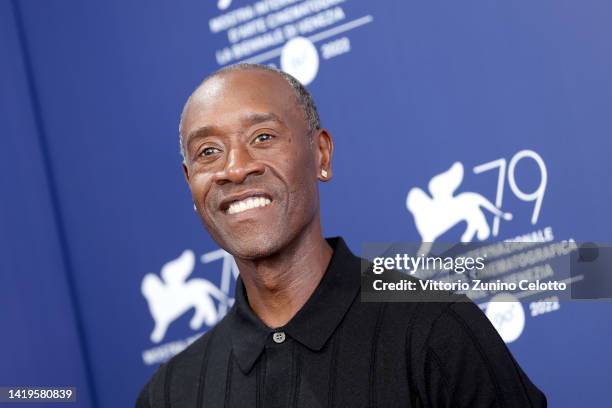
304 98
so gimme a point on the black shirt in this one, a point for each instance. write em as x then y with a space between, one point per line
340 352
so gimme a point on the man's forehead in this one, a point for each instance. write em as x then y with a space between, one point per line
239 93
250 83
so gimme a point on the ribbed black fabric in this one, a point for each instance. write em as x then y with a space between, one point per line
295 385
202 377
167 382
332 368
374 349
340 352
261 374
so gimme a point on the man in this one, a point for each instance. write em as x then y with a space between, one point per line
298 334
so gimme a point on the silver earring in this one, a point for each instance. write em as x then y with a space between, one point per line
195 208
324 173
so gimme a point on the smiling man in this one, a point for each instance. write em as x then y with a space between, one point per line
298 335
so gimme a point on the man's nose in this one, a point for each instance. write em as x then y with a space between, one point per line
239 165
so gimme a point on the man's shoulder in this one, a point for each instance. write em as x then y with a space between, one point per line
420 313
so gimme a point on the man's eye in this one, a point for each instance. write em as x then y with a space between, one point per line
209 151
264 137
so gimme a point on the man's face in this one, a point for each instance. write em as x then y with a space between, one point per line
250 164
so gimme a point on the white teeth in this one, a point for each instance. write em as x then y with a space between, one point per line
247 204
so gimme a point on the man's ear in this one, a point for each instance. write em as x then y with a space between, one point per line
186 172
324 145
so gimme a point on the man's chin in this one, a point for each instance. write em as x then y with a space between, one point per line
253 246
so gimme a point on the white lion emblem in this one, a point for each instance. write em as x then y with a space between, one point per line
173 295
437 214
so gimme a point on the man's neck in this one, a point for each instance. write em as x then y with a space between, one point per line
278 286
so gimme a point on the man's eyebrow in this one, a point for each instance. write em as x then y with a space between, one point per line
199 132
255 118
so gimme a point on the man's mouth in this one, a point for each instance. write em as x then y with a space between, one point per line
247 204
247 200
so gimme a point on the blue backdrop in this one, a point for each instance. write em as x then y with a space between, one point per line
93 198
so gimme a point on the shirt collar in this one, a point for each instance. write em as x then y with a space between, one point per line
314 323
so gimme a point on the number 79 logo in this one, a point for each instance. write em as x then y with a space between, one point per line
441 209
536 196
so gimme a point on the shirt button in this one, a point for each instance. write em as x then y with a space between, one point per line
278 337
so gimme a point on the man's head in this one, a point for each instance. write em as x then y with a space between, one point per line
253 152
304 98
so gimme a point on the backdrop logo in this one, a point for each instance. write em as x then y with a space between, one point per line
437 214
174 294
303 33
445 206
507 316
223 4
300 59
